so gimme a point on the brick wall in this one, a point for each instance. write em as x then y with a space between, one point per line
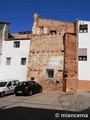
52 25
56 25
47 52
70 63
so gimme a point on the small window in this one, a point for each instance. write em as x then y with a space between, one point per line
82 54
23 61
83 28
8 61
50 73
82 58
17 44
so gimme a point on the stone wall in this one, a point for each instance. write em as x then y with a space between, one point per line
47 53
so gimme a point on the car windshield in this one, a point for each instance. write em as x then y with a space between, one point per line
2 84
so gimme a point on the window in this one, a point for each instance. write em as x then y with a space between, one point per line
23 61
8 61
83 28
9 84
82 54
2 84
16 82
16 44
82 58
50 73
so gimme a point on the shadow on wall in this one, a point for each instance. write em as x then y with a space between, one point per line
25 113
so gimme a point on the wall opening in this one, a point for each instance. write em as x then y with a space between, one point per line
32 78
50 73
53 32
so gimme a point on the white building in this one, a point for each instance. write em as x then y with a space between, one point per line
84 54
14 57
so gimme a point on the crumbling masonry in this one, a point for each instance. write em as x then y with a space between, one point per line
53 54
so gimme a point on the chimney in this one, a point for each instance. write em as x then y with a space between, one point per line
4 30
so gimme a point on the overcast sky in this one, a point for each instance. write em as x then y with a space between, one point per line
20 12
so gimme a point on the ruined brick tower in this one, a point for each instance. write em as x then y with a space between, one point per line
51 43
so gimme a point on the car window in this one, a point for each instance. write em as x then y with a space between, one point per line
24 83
31 83
36 84
9 84
2 84
15 82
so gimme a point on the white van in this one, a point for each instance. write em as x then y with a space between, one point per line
7 86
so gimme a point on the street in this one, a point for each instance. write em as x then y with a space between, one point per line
48 105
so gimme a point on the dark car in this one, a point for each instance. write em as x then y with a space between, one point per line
27 88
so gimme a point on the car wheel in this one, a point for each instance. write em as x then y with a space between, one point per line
16 94
30 93
2 94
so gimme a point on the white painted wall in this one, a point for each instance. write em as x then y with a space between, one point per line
84 42
15 70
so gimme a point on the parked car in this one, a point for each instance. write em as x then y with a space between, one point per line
7 86
27 88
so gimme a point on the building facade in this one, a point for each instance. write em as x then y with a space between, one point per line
14 54
83 54
55 54
48 61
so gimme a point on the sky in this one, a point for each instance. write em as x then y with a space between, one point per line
19 13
